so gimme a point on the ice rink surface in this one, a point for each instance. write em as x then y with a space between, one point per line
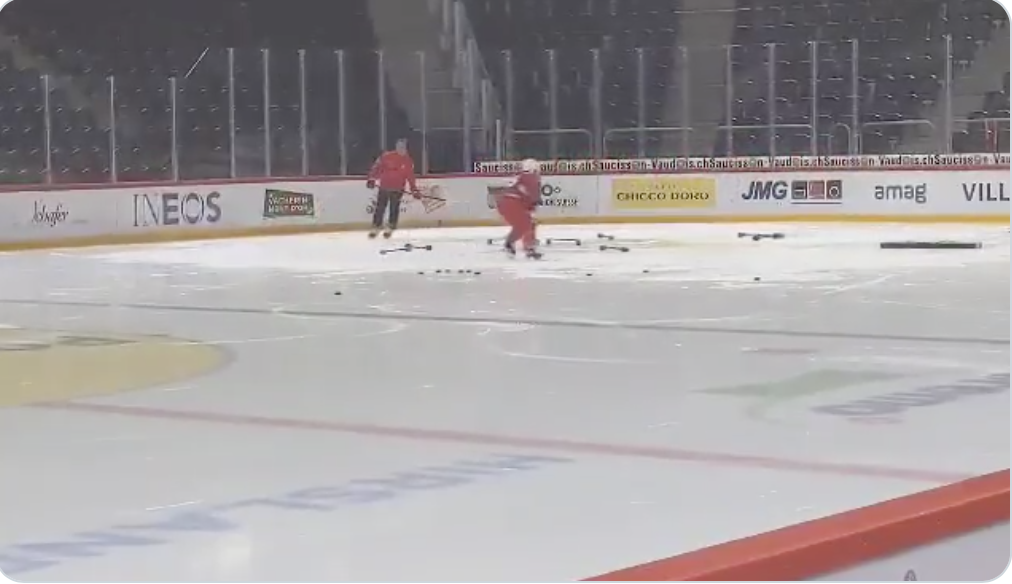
305 409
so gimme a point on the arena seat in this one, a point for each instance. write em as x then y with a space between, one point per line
144 45
536 48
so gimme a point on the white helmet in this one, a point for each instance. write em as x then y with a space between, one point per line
530 165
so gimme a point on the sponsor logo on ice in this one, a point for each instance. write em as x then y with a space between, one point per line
320 503
763 398
176 209
39 359
664 193
900 402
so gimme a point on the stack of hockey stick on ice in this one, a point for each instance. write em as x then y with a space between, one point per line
606 242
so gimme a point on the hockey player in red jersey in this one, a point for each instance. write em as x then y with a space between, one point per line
516 205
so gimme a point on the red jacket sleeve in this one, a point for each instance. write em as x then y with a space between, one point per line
376 166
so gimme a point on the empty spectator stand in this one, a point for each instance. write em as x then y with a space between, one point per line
109 63
795 76
121 90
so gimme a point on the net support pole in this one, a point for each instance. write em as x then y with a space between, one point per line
342 112
174 129
113 143
265 55
47 130
303 114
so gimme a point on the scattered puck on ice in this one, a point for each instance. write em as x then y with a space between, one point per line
757 279
931 245
338 293
477 273
646 271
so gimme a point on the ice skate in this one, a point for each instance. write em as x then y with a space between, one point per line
533 254
373 233
388 232
509 249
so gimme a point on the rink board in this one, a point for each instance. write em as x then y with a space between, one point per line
74 215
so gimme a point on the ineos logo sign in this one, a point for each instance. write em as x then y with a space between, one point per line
172 209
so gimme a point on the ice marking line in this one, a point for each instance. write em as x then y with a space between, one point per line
858 285
172 506
552 444
584 324
564 359
249 341
939 307
681 321
390 328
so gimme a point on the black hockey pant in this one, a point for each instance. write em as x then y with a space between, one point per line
385 200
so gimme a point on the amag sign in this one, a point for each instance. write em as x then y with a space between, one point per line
902 193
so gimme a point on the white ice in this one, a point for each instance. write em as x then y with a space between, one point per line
670 253
617 364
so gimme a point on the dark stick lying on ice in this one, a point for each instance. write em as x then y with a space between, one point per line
407 247
761 236
571 240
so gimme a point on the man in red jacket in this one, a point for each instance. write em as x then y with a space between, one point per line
393 172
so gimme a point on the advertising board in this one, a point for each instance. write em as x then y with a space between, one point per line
738 189
52 214
892 162
897 193
286 204
645 193
195 208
